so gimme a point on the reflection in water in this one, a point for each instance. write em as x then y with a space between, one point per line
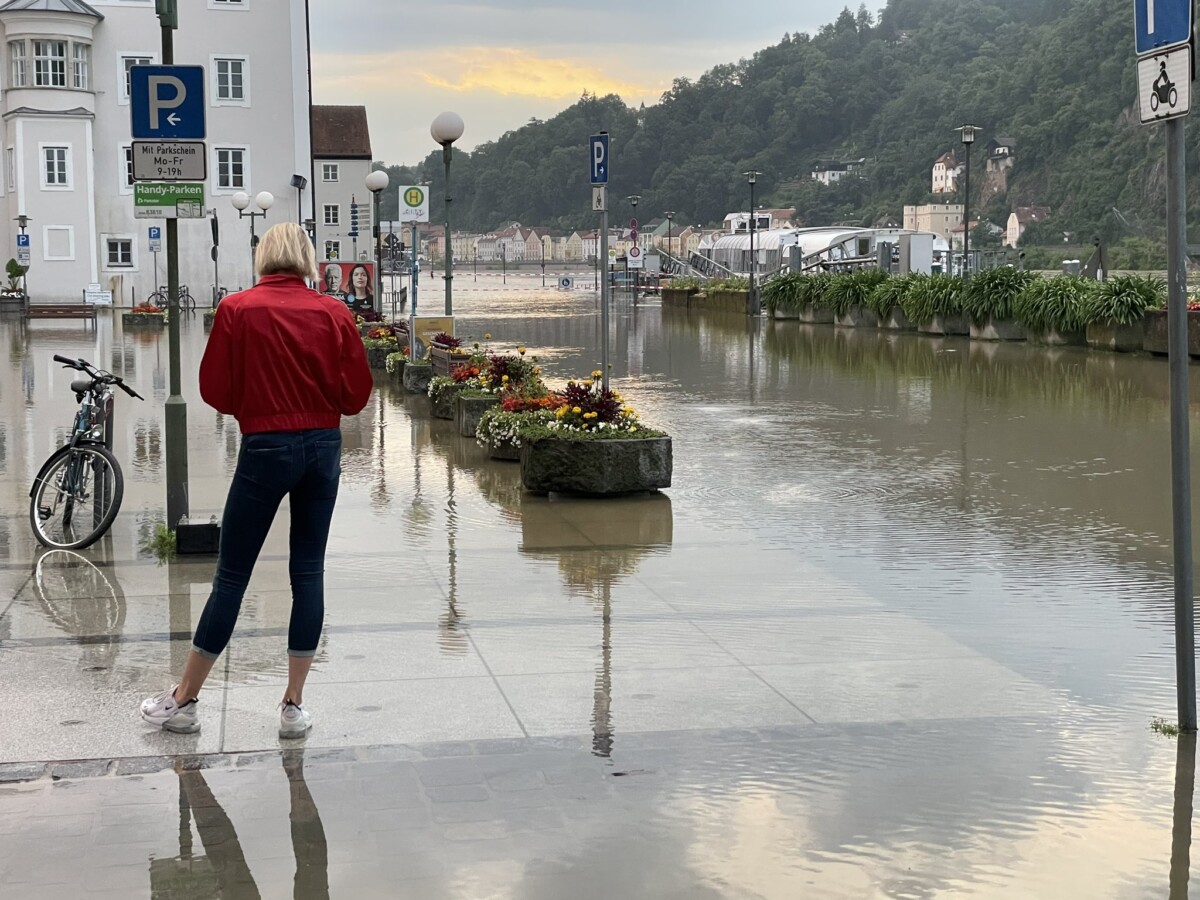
223 872
451 630
1181 831
85 601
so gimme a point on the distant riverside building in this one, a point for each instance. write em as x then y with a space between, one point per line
938 218
946 172
832 172
341 163
1020 219
67 146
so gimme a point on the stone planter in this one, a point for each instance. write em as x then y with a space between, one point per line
677 297
896 320
505 451
597 468
144 321
377 356
858 317
397 373
417 376
468 410
814 315
1121 338
1053 338
997 330
946 325
729 301
1157 339
445 404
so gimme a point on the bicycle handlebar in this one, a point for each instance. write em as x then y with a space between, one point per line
82 365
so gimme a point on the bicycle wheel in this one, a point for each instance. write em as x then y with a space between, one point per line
159 299
77 497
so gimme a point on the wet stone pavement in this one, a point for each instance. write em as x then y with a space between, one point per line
898 630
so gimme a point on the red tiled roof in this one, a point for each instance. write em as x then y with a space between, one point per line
341 132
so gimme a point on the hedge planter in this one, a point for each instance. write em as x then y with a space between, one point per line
1053 338
596 467
144 321
1121 338
1157 339
469 409
505 451
417 376
677 297
991 329
377 356
897 321
858 317
946 325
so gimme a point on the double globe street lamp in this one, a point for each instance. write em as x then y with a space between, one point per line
264 200
377 183
445 130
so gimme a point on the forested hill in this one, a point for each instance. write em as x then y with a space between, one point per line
1057 76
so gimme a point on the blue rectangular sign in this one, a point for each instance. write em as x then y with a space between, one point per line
1162 23
599 161
166 103
22 240
155 232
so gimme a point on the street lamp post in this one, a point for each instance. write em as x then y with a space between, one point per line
967 133
377 183
752 178
670 214
633 199
446 129
264 200
23 223
299 182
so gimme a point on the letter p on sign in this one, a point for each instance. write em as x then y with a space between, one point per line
158 102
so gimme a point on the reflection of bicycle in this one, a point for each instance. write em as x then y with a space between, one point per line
77 494
162 298
79 598
1163 90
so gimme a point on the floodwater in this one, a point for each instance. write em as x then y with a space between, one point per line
898 629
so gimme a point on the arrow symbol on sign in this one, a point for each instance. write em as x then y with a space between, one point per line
174 119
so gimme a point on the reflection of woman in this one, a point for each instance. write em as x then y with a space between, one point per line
333 281
360 298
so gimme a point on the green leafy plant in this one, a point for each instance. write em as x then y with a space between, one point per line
441 387
1161 726
932 295
15 272
394 361
161 544
689 283
729 283
498 426
845 292
1054 304
990 294
889 295
1124 299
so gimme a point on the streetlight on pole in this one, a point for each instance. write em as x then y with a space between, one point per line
299 182
446 129
634 199
377 183
241 202
967 133
23 222
670 214
752 178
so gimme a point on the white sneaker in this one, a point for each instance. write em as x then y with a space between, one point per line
163 711
294 721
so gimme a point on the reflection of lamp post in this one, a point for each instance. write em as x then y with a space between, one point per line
1181 831
752 178
446 129
377 183
634 199
967 133
241 202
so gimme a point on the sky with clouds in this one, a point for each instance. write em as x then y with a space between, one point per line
497 63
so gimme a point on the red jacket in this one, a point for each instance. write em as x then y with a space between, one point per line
282 357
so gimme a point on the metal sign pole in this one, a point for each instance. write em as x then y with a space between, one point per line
604 296
1181 486
412 300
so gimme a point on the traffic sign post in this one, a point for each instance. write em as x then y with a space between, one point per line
169 161
598 169
168 200
1163 30
24 253
166 103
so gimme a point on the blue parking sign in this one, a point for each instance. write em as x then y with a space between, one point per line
598 145
166 103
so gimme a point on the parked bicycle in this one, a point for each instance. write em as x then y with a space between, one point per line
77 494
162 298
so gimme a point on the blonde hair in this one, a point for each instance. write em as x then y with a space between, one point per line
286 249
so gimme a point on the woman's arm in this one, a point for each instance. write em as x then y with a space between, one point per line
357 382
216 368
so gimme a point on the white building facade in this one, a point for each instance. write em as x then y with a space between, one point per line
341 163
67 146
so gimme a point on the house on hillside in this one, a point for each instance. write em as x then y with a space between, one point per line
1021 218
946 172
1001 154
938 218
830 172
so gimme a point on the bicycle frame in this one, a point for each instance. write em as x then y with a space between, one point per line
93 427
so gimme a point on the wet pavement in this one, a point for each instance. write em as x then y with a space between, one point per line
898 630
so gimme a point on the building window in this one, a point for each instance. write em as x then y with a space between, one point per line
125 175
329 173
56 170
127 63
50 63
81 66
333 249
231 168
231 79
119 253
18 74
58 243
333 214
10 167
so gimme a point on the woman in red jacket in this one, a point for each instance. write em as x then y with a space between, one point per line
288 363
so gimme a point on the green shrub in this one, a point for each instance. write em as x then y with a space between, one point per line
781 292
690 283
889 294
990 294
852 289
729 283
813 290
1124 300
1057 304
932 295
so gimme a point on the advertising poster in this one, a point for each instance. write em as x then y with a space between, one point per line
351 282
428 326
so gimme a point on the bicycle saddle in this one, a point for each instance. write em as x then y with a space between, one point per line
79 385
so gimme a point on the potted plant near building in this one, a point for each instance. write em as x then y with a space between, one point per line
1115 312
146 316
934 304
14 292
847 297
887 300
1052 310
988 302
446 353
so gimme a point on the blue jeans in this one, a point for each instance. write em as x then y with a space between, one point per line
305 465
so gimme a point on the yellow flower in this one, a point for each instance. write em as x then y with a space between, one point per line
577 410
487 336
521 350
628 410
504 378
562 411
634 428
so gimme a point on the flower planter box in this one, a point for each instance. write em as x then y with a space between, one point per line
676 297
417 376
596 468
1157 338
444 405
144 321
858 317
469 410
946 325
377 356
997 330
1053 338
397 373
1121 338
896 320
444 361
505 451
